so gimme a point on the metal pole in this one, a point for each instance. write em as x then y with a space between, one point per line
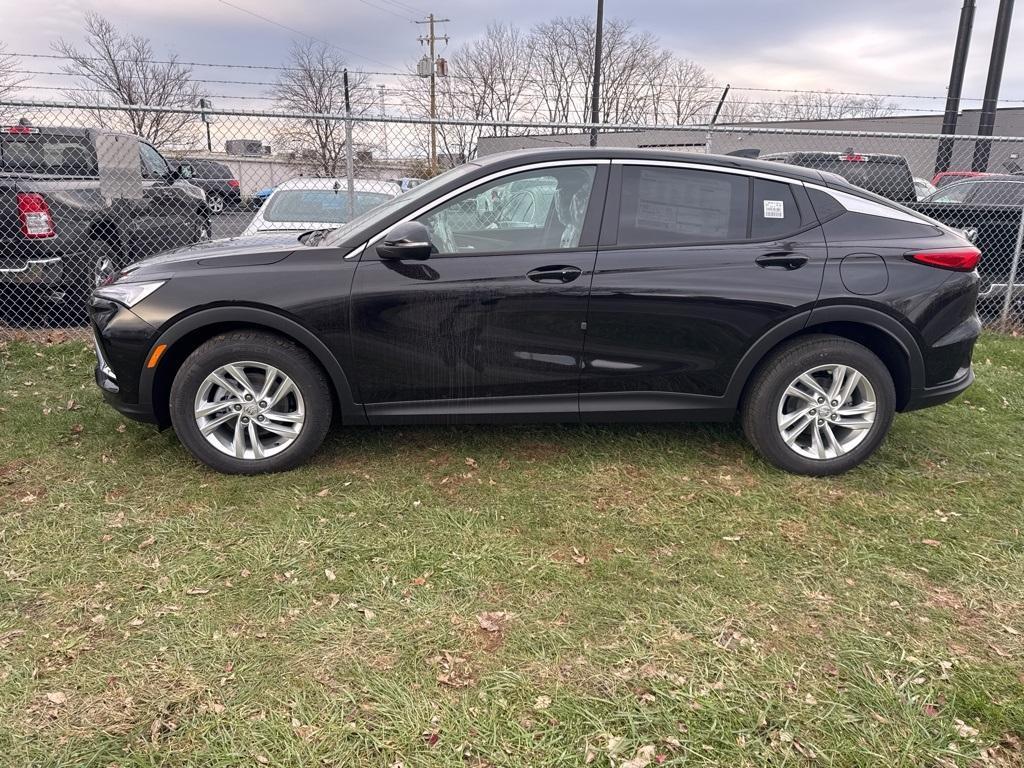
433 100
956 85
1004 318
349 174
721 103
987 121
595 96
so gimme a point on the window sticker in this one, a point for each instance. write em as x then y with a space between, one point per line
774 209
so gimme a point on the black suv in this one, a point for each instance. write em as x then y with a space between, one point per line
217 181
653 286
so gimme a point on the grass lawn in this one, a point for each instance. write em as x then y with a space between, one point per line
508 596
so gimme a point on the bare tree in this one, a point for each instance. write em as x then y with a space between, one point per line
117 69
314 83
689 95
10 79
826 105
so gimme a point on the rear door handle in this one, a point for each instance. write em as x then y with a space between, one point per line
558 273
781 260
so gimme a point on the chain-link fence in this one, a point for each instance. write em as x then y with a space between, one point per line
80 197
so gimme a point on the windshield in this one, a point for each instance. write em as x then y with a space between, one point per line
420 193
320 205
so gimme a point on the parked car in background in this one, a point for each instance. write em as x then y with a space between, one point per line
885 175
990 208
943 178
923 187
217 181
311 203
60 233
260 197
643 286
407 182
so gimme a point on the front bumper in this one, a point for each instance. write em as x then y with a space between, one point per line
122 341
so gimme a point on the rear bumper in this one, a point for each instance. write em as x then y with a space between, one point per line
942 393
43 272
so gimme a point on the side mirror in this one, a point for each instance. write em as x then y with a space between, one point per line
410 240
183 171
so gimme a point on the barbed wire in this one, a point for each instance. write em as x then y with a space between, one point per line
393 73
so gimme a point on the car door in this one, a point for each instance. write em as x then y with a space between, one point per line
168 213
694 265
492 323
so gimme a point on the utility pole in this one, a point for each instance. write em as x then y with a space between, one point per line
987 121
431 39
956 85
595 97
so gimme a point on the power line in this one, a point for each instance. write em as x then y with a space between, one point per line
402 16
299 32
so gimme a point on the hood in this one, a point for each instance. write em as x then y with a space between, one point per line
263 248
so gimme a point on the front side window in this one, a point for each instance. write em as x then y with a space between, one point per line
673 206
153 164
534 210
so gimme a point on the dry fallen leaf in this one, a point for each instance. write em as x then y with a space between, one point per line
578 557
323 492
542 702
931 542
57 697
147 543
329 574
493 621
643 757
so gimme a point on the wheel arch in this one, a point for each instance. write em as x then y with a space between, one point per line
881 333
188 333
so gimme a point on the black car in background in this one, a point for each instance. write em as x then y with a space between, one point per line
59 231
636 285
990 209
885 175
217 181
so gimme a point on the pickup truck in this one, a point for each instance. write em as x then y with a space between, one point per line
61 229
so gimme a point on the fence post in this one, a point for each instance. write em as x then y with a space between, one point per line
1004 319
349 174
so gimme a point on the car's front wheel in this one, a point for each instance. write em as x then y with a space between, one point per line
250 403
819 405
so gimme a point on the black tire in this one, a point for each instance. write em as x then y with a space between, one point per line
258 347
765 391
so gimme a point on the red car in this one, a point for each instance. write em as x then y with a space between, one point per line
948 177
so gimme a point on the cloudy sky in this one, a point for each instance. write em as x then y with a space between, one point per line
887 46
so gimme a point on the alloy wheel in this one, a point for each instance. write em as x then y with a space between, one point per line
249 410
827 411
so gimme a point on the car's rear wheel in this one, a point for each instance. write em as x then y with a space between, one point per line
215 201
250 403
819 405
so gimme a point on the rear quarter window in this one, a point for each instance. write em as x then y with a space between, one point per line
774 210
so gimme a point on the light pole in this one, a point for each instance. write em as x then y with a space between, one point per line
596 95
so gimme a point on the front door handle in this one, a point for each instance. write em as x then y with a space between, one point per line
559 273
781 260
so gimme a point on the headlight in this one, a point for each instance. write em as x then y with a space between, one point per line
128 294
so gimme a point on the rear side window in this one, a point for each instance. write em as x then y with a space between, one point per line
774 211
53 155
670 206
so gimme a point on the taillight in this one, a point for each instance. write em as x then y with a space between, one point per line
34 214
233 183
19 130
958 259
853 157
